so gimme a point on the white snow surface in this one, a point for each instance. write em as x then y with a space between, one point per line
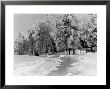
68 65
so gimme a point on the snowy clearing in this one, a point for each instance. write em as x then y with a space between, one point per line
67 65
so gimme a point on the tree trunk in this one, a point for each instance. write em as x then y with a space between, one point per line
73 51
91 49
86 49
69 51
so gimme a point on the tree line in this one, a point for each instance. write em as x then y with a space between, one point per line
69 34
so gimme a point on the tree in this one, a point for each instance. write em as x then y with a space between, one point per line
92 30
38 40
88 31
67 34
31 42
33 38
45 42
21 45
63 34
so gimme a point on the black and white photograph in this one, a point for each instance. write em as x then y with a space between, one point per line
55 44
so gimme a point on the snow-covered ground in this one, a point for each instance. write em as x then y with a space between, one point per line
67 65
84 65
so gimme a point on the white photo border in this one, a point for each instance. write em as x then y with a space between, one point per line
100 79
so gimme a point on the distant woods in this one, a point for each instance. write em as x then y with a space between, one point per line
68 34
